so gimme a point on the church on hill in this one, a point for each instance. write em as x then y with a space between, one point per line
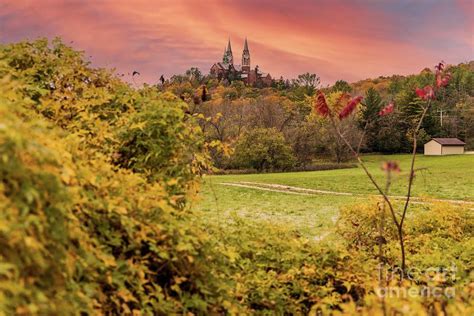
226 70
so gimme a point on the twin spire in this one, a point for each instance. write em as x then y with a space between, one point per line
228 58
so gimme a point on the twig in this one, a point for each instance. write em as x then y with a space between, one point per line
367 172
412 167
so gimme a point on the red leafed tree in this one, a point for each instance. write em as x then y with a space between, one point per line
427 94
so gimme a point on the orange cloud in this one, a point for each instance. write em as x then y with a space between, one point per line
335 39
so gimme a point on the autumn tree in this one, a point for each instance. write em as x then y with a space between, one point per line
194 74
309 81
384 134
263 149
341 86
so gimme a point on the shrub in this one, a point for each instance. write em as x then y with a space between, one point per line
263 149
277 271
80 236
439 236
163 143
143 130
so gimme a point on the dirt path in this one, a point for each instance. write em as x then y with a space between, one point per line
286 189
243 185
304 191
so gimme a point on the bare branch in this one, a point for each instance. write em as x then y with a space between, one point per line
367 172
411 176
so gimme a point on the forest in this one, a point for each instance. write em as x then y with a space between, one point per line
279 121
100 179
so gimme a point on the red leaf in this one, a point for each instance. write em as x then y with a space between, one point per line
391 166
426 93
438 79
350 107
320 105
387 109
443 82
420 92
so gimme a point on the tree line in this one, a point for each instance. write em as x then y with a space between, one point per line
275 128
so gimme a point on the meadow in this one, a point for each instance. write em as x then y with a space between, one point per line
265 197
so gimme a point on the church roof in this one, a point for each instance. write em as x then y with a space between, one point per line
219 65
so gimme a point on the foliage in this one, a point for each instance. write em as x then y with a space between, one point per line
263 149
439 236
79 235
233 108
337 102
341 86
427 94
372 105
307 140
383 133
96 179
161 142
308 81
108 114
279 272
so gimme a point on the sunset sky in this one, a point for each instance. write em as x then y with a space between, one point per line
348 40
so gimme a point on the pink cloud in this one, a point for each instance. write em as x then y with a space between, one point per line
335 39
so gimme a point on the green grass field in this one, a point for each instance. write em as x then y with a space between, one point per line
446 177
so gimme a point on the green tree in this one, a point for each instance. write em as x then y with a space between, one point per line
309 82
194 74
263 149
372 104
341 86
382 134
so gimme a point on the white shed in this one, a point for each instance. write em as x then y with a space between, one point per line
444 146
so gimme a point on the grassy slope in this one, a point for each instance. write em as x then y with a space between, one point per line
444 177
448 177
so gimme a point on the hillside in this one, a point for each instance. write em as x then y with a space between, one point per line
282 120
382 84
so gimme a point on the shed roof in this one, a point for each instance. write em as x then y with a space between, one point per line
449 141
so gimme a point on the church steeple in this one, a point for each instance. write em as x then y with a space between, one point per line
246 58
228 58
229 49
225 60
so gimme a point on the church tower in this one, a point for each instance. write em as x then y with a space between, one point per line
228 58
224 58
246 58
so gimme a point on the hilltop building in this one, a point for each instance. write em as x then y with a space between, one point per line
226 70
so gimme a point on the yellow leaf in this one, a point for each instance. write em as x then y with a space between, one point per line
139 125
